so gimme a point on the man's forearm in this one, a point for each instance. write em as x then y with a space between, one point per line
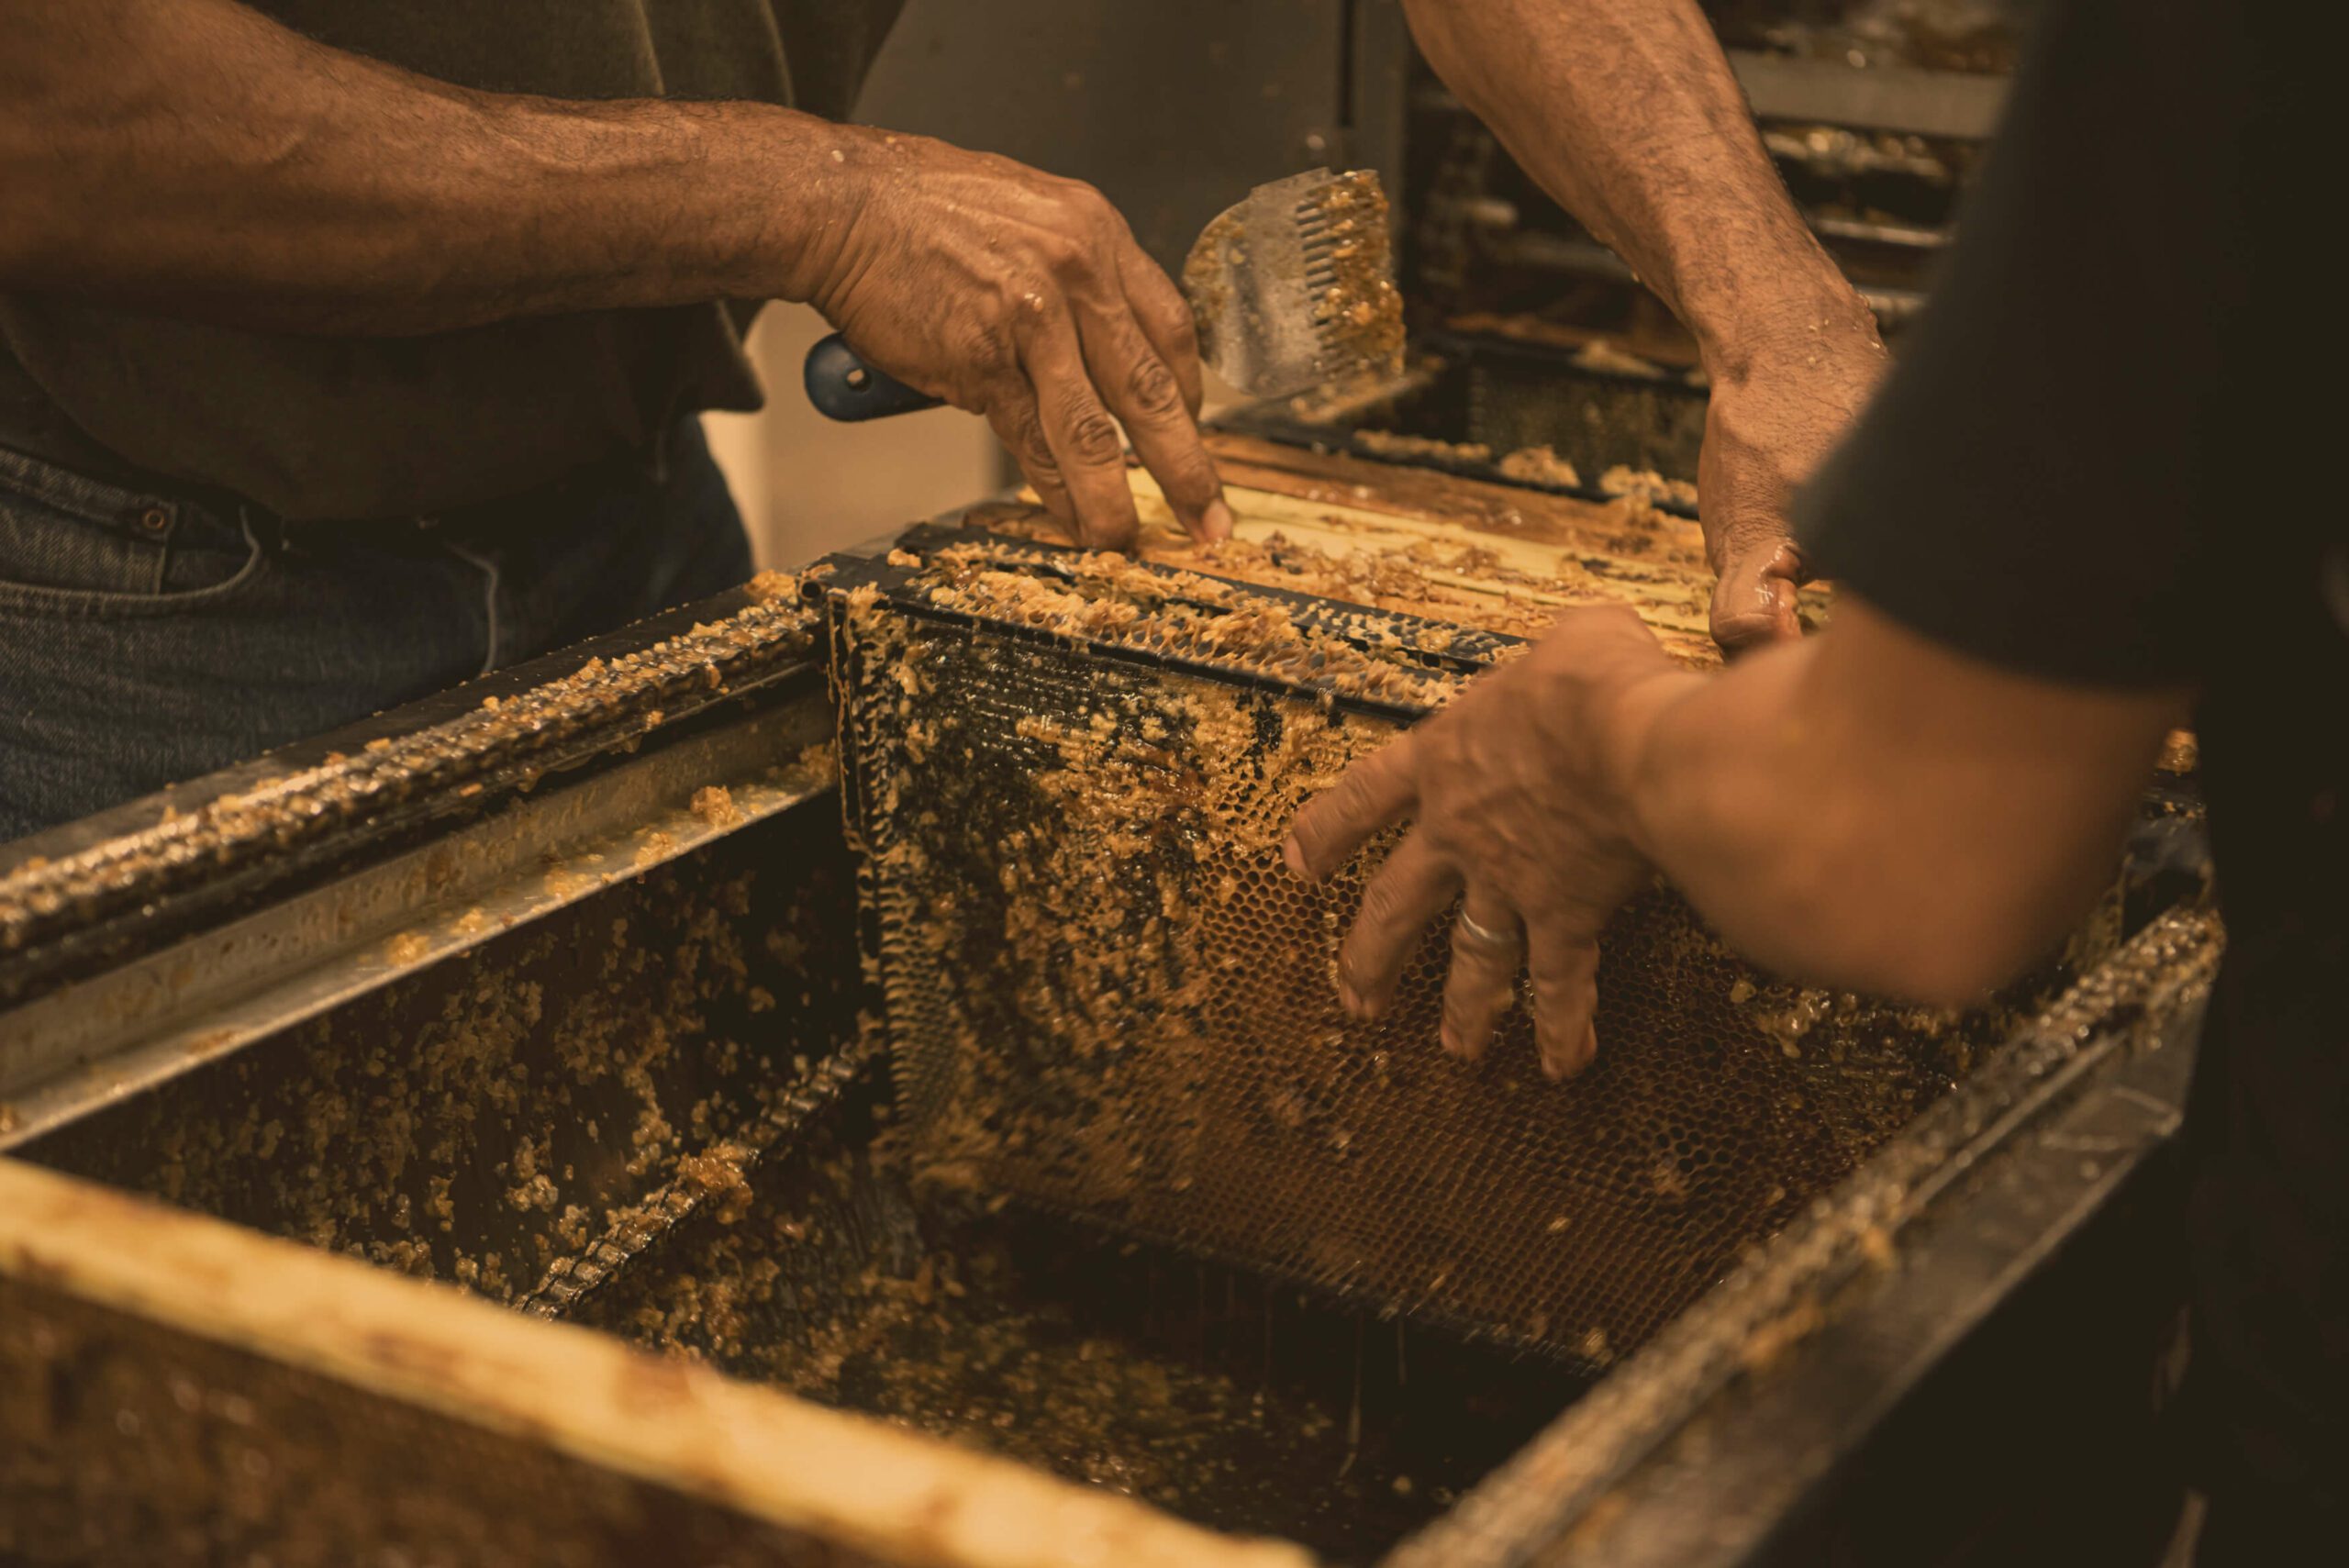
193 158
1868 810
1629 117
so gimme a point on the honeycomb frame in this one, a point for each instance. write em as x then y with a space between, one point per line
1071 775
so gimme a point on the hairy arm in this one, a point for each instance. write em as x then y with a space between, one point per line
193 158
1629 118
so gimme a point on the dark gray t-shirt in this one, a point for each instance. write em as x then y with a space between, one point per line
318 428
2104 459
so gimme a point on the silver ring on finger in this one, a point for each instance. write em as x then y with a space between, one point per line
1475 933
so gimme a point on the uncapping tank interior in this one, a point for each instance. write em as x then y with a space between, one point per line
650 1112
654 1112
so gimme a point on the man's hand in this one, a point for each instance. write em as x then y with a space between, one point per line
1024 297
1520 818
418 206
1771 419
1629 117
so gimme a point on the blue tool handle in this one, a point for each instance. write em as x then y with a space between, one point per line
842 386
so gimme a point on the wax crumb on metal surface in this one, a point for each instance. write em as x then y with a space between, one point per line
407 947
1648 485
1395 444
769 585
1540 465
1762 1349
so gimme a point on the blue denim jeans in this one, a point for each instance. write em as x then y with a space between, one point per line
150 638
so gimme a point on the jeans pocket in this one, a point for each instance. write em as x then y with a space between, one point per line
74 546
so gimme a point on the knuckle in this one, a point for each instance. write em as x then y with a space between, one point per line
1094 440
1065 255
1028 283
1563 995
1034 453
1190 479
1175 322
1743 629
1085 203
1354 794
1343 812
1152 387
1469 956
1359 966
1462 1018
983 349
1380 907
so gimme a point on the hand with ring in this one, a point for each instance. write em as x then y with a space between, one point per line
1520 814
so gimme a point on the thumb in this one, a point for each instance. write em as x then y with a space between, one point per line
1755 597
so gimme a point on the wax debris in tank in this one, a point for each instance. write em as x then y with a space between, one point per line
1540 465
1395 444
714 803
484 1116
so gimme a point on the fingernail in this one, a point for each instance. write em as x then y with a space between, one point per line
1293 857
1349 1000
1215 521
1452 1046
